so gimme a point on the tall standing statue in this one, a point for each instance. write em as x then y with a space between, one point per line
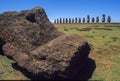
109 19
76 20
88 19
72 20
79 20
66 20
57 21
93 20
63 20
60 20
83 20
69 20
103 18
97 19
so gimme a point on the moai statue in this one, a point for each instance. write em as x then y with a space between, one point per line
57 21
103 18
63 20
72 20
54 21
97 19
83 20
76 20
109 19
88 19
60 20
79 20
69 20
93 20
66 20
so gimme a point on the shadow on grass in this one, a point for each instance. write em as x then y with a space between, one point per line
81 67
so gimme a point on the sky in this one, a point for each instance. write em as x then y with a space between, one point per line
67 8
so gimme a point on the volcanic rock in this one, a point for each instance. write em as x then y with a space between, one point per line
33 42
60 57
27 29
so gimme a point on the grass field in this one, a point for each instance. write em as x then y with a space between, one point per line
7 72
104 40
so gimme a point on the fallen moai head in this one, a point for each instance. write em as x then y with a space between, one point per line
18 29
33 42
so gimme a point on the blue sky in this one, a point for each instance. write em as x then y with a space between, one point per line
67 8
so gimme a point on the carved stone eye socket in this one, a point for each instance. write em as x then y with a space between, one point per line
31 17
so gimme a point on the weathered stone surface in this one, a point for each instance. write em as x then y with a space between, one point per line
57 54
33 42
27 29
60 57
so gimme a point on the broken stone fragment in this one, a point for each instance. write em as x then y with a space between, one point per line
61 56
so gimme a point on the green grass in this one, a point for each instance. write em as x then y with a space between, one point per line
7 72
105 51
105 48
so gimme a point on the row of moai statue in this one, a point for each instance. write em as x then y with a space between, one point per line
79 20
